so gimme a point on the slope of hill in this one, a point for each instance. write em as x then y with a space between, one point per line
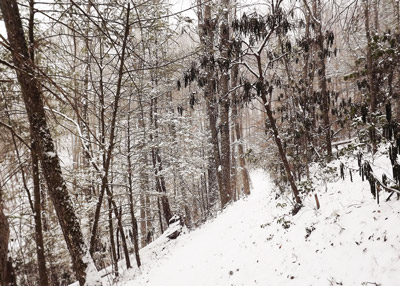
350 240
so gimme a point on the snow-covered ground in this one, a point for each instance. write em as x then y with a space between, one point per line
350 240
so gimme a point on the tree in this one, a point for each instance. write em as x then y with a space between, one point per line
4 236
277 24
82 262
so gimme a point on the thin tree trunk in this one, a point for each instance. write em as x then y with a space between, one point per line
238 131
4 236
145 224
160 216
373 88
322 78
130 193
267 106
123 237
112 241
108 152
82 263
234 176
157 165
43 276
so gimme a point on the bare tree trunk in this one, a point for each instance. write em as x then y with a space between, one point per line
267 106
4 236
225 192
322 77
112 241
145 223
157 165
373 88
238 131
43 276
41 134
108 152
235 194
206 28
122 232
135 235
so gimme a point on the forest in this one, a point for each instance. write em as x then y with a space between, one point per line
120 118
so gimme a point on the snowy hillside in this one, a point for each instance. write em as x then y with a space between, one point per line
350 240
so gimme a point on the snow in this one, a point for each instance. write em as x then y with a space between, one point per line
350 240
92 275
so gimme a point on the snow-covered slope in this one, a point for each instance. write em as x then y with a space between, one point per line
350 241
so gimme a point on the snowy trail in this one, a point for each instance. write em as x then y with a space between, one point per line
221 252
353 241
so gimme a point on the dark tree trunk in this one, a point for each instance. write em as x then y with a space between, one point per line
43 275
282 153
37 211
112 240
157 166
206 28
41 134
107 154
123 237
135 234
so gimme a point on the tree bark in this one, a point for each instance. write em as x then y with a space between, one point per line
373 88
278 142
112 240
130 193
157 166
4 236
225 192
108 152
41 134
236 116
206 28
322 78
43 274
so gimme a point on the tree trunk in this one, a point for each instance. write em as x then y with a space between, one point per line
112 241
225 192
206 28
236 116
157 166
4 236
37 209
43 276
267 106
322 78
145 223
373 88
41 134
135 235
107 154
